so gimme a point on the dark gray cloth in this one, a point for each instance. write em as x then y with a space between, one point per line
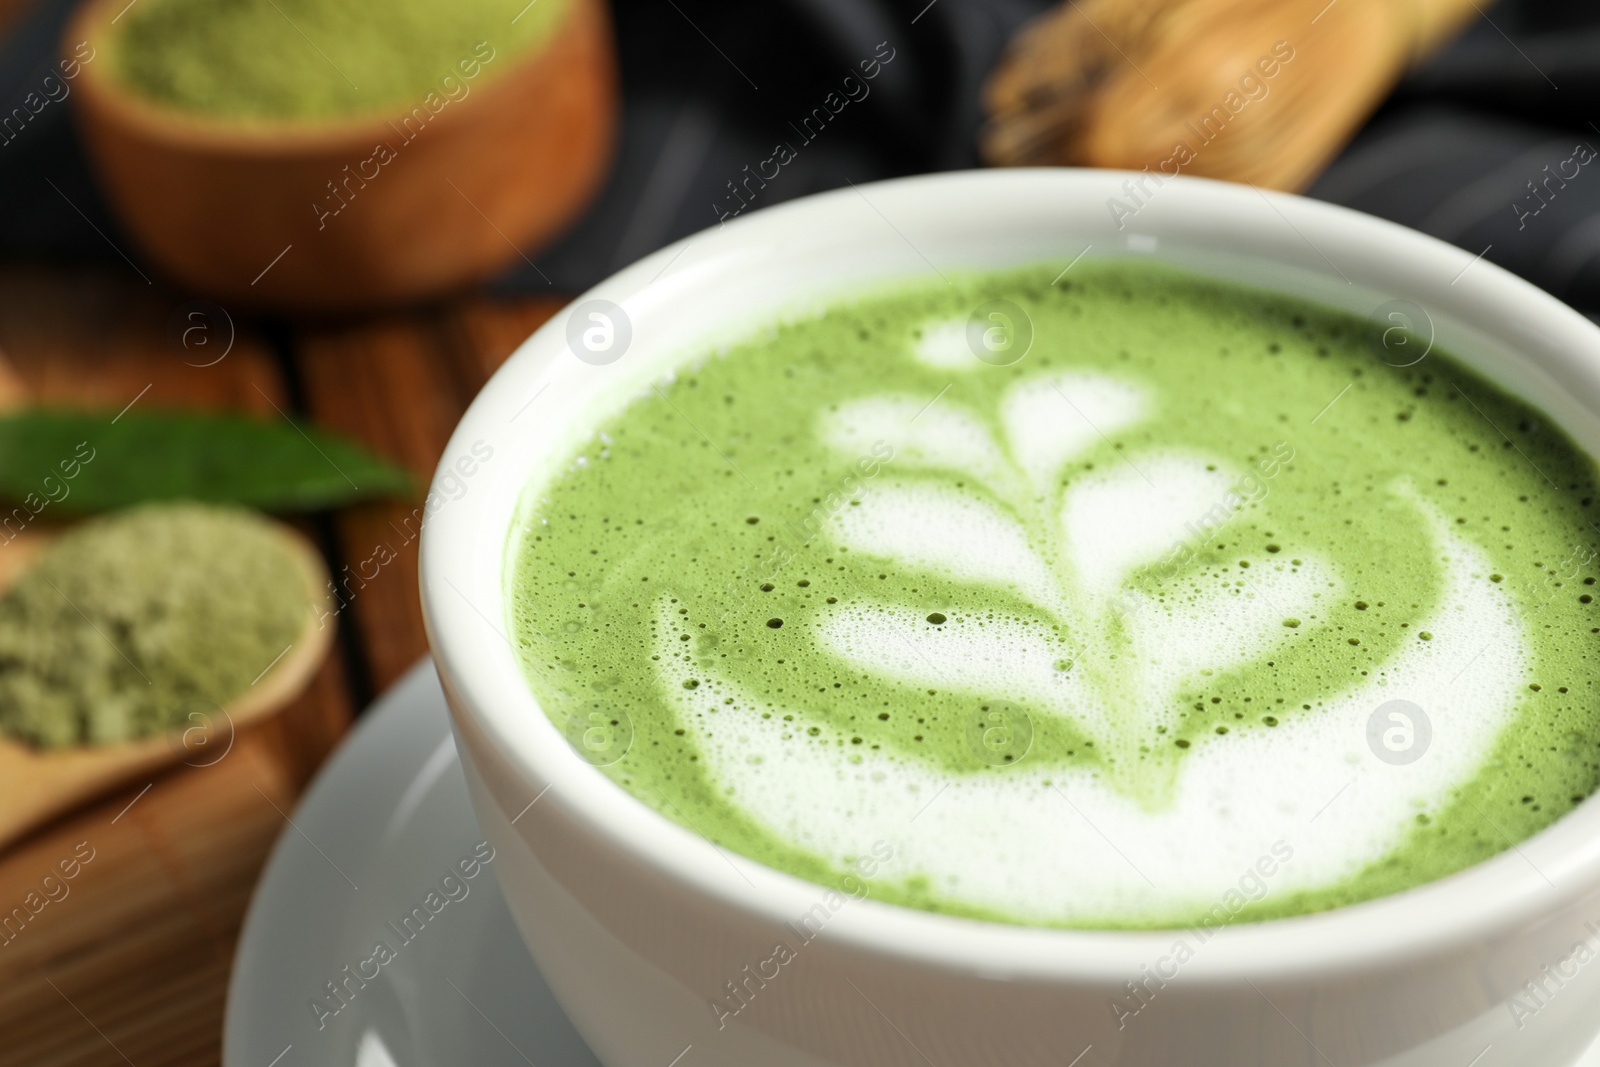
1491 146
712 88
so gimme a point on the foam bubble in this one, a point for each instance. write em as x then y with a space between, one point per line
960 535
944 345
1022 660
1118 519
1049 419
924 433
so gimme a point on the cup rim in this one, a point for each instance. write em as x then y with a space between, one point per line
1511 890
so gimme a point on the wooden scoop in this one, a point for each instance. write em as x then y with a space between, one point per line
36 784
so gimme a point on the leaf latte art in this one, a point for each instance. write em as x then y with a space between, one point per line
1082 637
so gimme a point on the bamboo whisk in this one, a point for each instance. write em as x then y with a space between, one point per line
1260 91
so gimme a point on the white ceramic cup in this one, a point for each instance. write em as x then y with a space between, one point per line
640 925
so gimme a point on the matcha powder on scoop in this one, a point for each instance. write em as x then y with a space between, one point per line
130 622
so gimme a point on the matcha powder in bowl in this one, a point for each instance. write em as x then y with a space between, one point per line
130 622
314 60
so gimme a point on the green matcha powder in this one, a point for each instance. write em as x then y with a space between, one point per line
130 622
320 59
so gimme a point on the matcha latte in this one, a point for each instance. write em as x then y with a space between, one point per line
1200 603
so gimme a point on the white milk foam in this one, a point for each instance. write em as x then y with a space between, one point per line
1065 843
944 345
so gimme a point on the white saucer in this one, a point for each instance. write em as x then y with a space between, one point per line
389 814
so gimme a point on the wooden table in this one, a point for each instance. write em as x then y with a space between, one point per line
131 966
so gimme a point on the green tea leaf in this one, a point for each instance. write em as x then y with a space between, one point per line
82 461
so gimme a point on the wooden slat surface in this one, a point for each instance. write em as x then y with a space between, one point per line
400 384
92 339
132 966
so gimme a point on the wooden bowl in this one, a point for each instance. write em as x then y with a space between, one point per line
310 216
